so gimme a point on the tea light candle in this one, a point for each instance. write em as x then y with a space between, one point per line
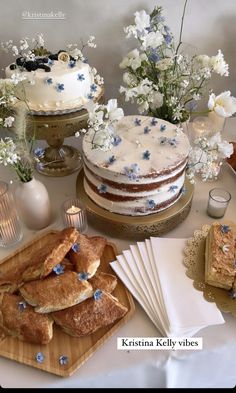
74 214
218 202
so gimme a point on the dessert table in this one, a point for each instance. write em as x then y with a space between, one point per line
212 367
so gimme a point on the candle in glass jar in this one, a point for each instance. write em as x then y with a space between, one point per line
218 202
74 214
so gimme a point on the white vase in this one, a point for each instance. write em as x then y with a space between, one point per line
33 204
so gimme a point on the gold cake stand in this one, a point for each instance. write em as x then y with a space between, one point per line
59 159
137 228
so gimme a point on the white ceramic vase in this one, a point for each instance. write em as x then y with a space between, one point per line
33 204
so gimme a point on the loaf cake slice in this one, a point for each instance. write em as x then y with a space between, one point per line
220 269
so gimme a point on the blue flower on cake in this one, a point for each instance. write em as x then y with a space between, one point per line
151 204
172 142
146 130
72 64
80 77
163 140
48 81
90 96
153 122
116 140
50 62
60 87
173 188
162 127
132 171
137 122
102 189
146 155
93 88
111 159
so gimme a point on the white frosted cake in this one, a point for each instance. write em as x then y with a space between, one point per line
143 173
55 85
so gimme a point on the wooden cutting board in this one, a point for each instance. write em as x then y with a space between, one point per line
78 350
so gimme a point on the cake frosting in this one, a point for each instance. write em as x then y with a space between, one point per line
61 85
143 173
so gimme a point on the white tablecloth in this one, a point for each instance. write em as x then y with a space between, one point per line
214 366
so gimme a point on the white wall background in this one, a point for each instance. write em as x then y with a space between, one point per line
209 25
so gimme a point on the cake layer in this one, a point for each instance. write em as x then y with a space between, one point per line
144 171
64 87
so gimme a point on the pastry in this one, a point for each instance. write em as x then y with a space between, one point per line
220 268
89 316
103 281
46 259
86 257
56 292
19 319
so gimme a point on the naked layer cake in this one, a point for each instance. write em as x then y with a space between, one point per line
143 173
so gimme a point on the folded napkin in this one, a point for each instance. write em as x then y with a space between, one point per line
154 273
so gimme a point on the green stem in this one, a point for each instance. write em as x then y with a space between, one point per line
181 28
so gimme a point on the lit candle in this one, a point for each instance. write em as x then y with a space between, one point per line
74 214
218 202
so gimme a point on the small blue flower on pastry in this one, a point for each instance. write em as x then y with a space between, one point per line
39 357
22 306
80 77
63 360
60 87
58 269
151 203
154 122
116 140
232 293
83 276
102 189
97 294
137 122
48 81
173 188
162 127
146 155
93 88
76 247
146 130
225 228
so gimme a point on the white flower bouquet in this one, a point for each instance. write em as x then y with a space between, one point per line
165 82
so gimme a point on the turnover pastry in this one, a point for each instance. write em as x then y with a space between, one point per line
104 281
45 260
86 257
87 317
19 319
220 269
56 292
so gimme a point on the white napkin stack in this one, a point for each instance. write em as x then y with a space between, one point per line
154 273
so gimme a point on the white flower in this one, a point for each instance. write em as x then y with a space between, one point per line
40 39
142 20
204 60
17 77
24 44
133 60
225 149
129 79
196 96
152 40
15 50
224 104
8 121
131 30
142 106
103 140
164 64
114 113
76 53
219 65
91 42
157 100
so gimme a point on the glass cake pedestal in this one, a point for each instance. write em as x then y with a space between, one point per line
58 159
138 228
